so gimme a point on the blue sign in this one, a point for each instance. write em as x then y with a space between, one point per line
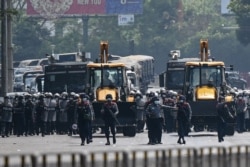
124 7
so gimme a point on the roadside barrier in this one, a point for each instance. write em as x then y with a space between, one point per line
218 156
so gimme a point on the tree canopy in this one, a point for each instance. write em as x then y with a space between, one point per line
165 25
241 9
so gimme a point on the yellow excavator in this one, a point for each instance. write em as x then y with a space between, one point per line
110 78
204 83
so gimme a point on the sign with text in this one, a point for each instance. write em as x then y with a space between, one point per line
83 7
124 20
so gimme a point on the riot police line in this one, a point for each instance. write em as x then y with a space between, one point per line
71 114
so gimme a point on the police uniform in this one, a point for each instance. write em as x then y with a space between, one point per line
109 111
84 115
6 115
169 118
184 114
223 114
241 108
41 116
139 108
70 109
51 108
62 114
155 118
29 115
19 110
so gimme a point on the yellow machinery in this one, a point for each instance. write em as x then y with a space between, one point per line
204 83
110 78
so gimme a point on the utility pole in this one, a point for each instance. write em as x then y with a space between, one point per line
85 20
3 49
9 48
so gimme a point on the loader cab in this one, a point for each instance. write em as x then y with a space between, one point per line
203 80
105 78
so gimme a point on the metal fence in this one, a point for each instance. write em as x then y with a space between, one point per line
171 157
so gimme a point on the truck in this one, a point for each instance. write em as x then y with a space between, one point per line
63 77
97 89
234 79
204 83
65 72
140 70
173 77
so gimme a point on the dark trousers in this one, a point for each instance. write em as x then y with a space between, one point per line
41 126
5 128
221 129
20 124
29 126
155 130
241 122
109 124
84 130
169 121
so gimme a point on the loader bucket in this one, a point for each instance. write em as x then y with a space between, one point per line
126 117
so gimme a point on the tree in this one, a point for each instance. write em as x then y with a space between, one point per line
241 9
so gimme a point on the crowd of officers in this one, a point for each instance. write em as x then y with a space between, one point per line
47 114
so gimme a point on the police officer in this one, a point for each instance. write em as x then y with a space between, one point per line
29 115
241 108
70 109
57 98
139 108
7 113
19 110
184 114
41 116
155 117
223 114
149 96
62 117
169 118
109 111
51 108
84 114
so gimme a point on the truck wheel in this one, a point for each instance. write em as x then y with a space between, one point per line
230 130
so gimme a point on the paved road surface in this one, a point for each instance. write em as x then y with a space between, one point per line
64 143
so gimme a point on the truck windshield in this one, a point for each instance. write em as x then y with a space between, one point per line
69 82
175 79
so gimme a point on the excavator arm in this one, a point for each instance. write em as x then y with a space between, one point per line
104 51
204 49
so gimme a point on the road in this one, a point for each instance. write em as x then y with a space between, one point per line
98 154
64 143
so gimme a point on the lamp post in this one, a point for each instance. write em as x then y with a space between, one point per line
4 64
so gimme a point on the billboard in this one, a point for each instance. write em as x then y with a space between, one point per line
83 7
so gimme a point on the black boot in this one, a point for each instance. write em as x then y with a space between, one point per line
114 140
83 142
179 141
183 141
108 142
